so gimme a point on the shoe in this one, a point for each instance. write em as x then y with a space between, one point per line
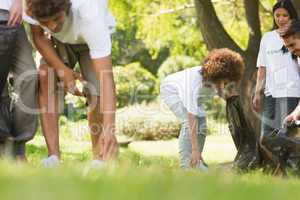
97 164
201 166
51 161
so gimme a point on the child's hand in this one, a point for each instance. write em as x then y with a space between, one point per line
196 158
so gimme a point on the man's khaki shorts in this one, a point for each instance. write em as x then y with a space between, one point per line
73 54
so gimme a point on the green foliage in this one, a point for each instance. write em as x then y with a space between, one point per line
172 25
75 107
147 35
176 63
134 84
150 129
147 122
213 104
216 109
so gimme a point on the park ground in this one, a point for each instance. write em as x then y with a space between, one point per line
145 170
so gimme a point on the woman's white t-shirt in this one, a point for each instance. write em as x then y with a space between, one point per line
184 86
5 4
282 72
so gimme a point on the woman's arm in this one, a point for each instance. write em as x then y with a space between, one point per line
259 89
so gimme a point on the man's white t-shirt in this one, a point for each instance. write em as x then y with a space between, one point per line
89 22
282 72
185 84
5 4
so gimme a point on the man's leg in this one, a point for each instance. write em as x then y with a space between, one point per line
25 86
48 103
94 111
95 125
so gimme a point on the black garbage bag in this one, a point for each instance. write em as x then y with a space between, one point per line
248 155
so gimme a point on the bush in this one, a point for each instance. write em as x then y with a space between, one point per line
134 84
143 122
154 121
176 63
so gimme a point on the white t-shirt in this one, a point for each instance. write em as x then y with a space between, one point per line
185 84
5 4
282 72
89 22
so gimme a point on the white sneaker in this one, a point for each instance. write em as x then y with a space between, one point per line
202 166
97 164
51 161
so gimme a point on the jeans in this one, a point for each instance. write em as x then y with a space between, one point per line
185 145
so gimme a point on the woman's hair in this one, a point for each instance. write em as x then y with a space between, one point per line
223 64
288 6
47 8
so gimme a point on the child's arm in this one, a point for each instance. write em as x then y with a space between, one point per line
196 154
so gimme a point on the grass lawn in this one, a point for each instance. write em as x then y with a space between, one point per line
137 175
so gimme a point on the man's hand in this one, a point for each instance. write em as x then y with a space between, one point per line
109 146
257 102
15 13
295 115
69 77
196 158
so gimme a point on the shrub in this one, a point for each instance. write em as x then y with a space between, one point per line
147 122
134 84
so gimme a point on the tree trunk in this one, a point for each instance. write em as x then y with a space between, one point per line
215 36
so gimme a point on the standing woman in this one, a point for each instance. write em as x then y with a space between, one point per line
278 84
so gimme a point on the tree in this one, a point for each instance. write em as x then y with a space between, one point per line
216 36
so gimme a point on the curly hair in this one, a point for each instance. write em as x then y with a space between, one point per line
47 8
223 64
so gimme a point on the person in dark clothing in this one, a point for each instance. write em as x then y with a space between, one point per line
8 36
17 60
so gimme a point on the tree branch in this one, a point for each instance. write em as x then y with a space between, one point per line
213 32
264 9
187 6
174 10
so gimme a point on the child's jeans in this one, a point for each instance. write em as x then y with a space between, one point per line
185 145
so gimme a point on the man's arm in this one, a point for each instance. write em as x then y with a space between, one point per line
295 115
196 154
46 49
259 89
104 73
